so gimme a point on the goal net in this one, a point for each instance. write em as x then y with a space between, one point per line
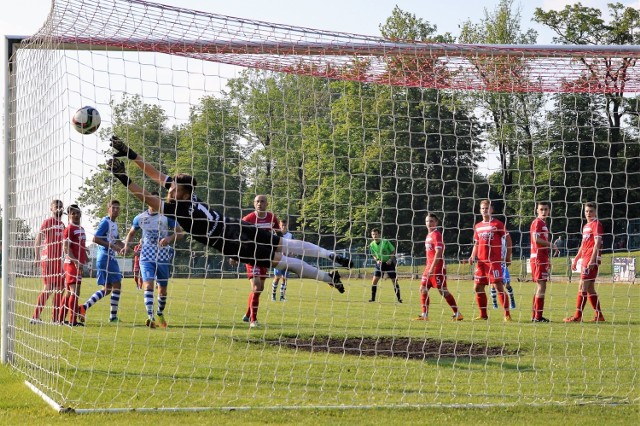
343 134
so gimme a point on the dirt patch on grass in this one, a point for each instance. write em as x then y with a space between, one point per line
398 347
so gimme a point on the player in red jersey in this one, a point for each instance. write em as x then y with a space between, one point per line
75 257
257 275
589 258
540 264
435 273
136 266
487 249
48 248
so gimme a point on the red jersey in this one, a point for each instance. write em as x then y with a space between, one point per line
136 258
269 221
77 242
590 231
52 230
539 230
488 236
431 244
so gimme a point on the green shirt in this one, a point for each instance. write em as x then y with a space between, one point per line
382 251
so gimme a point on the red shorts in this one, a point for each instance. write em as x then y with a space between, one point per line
589 273
73 276
539 271
490 270
52 271
257 271
436 280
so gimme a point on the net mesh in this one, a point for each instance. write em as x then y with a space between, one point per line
343 133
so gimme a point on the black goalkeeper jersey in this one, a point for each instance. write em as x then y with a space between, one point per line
232 237
195 217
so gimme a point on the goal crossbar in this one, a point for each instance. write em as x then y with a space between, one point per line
585 69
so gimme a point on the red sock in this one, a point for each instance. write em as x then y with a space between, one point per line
581 301
254 306
504 301
595 302
424 301
481 298
57 305
72 308
534 309
62 312
539 307
42 300
452 302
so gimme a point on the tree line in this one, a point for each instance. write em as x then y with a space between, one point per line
341 157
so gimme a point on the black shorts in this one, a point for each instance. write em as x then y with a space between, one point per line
247 243
380 269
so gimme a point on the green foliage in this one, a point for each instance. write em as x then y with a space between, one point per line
578 24
207 148
511 118
402 25
339 157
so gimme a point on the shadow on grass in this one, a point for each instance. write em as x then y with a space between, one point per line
396 347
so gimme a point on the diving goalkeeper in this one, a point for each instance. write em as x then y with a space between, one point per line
231 237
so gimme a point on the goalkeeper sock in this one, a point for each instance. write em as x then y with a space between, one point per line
302 269
303 248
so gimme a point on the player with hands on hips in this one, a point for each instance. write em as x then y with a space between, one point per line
435 272
589 258
487 255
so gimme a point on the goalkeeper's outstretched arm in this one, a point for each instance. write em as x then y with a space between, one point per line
122 150
116 167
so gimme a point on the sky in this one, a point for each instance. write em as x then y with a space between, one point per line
25 17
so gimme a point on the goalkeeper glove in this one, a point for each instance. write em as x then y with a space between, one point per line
116 167
122 150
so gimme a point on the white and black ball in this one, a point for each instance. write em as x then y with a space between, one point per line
86 120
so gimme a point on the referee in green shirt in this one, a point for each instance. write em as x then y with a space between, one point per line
384 253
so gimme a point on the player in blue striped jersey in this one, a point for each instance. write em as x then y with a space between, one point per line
159 233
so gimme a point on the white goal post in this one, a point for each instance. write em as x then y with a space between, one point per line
344 134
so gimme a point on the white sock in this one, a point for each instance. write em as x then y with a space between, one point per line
303 248
303 269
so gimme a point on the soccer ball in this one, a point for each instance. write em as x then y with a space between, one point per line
86 120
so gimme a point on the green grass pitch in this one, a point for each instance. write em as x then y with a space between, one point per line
210 358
